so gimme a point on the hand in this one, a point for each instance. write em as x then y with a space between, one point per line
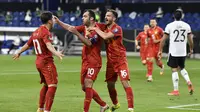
73 29
60 55
55 19
138 47
190 53
159 55
16 56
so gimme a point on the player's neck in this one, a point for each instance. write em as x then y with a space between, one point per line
92 24
47 26
111 25
153 27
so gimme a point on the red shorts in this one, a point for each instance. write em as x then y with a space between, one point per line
89 72
112 72
143 55
150 52
48 73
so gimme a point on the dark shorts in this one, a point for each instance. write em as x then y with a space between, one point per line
175 62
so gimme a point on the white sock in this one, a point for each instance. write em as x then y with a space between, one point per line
175 80
130 109
47 111
185 75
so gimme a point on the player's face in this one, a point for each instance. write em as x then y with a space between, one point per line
86 18
146 27
109 18
153 23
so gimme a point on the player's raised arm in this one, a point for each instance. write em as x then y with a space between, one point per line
102 34
190 41
62 24
81 37
53 50
24 48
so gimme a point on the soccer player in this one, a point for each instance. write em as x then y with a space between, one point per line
142 37
178 32
155 34
41 39
117 64
91 58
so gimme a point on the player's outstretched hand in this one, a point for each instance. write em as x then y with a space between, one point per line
55 19
16 56
159 55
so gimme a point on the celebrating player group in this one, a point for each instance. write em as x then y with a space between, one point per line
93 35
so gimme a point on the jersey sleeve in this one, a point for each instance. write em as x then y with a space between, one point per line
80 28
46 38
30 42
117 31
167 30
138 37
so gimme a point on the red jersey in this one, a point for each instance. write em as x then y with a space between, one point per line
116 52
38 39
150 38
91 55
157 33
142 37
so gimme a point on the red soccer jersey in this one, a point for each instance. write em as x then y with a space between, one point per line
38 39
158 34
91 54
150 38
142 37
114 46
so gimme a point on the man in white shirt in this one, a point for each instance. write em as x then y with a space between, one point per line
178 32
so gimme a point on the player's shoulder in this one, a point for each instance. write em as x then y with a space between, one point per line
159 28
102 26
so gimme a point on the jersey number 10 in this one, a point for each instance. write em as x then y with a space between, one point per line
179 37
37 46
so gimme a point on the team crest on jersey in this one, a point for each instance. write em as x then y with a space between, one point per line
115 30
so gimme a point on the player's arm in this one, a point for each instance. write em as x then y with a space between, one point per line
190 41
102 34
81 37
62 24
162 43
24 48
53 50
136 42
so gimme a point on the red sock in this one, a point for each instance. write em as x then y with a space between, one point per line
88 98
50 97
97 98
159 63
113 95
149 67
130 97
43 92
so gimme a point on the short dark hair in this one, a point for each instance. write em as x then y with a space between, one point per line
91 13
46 16
114 12
178 14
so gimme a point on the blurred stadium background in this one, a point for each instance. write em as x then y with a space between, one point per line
19 18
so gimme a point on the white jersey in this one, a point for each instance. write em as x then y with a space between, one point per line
178 32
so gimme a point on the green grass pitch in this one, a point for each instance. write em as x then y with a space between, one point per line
19 87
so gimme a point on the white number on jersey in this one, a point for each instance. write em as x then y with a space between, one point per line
123 73
180 35
90 71
37 46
